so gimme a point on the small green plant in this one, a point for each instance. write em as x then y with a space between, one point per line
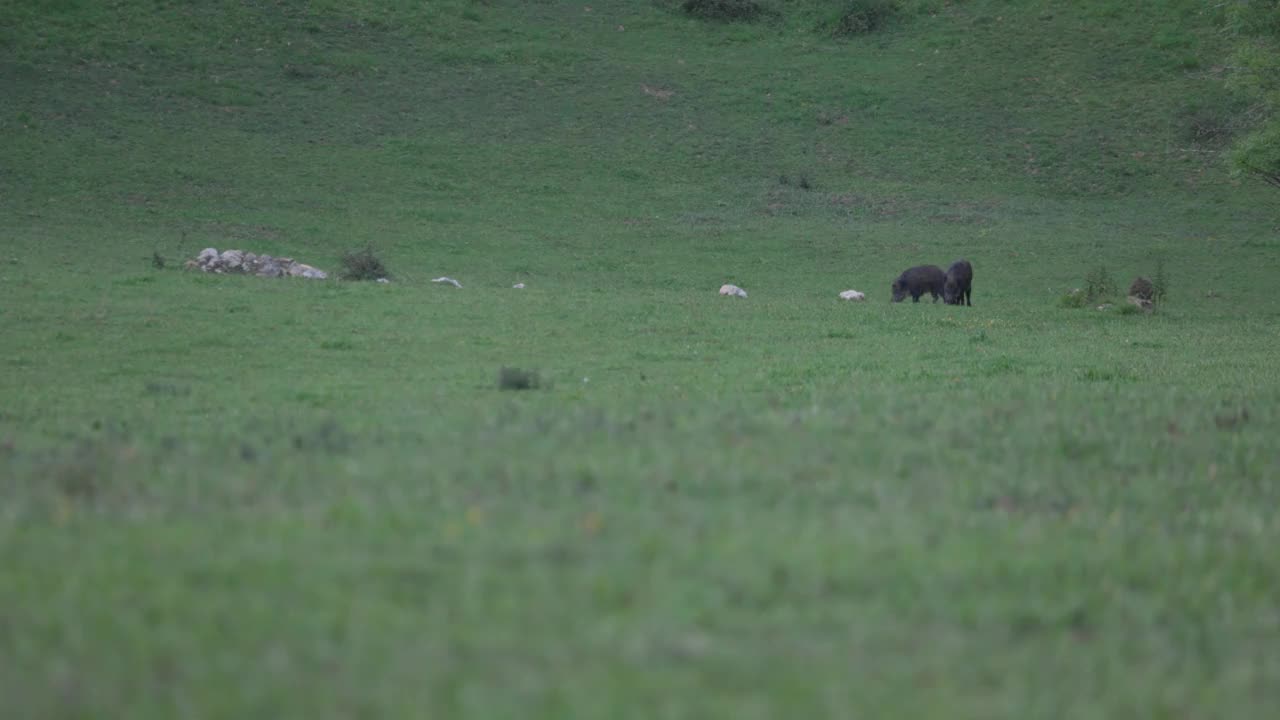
1098 284
363 265
157 260
1074 298
1128 309
1159 283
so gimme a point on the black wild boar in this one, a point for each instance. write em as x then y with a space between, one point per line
917 281
959 284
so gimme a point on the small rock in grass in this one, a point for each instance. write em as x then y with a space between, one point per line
853 295
447 281
1141 303
518 286
298 269
732 290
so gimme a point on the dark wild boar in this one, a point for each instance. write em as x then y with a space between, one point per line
959 284
917 281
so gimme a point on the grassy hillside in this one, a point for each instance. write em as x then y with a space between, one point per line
236 497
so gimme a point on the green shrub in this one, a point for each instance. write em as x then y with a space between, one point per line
1074 299
1098 284
1159 283
860 17
362 265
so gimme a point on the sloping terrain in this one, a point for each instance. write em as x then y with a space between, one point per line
226 496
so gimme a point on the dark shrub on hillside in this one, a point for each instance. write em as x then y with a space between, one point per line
362 265
726 10
510 378
1142 289
864 16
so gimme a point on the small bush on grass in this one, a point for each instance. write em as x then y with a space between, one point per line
1159 283
1074 299
860 17
1099 285
1142 289
510 378
362 265
723 10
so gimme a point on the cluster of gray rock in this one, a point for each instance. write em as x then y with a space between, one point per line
247 263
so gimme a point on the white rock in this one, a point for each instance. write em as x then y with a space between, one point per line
241 262
231 259
383 280
306 271
732 290
518 286
268 266
447 280
853 295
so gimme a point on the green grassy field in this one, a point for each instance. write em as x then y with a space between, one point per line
236 497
